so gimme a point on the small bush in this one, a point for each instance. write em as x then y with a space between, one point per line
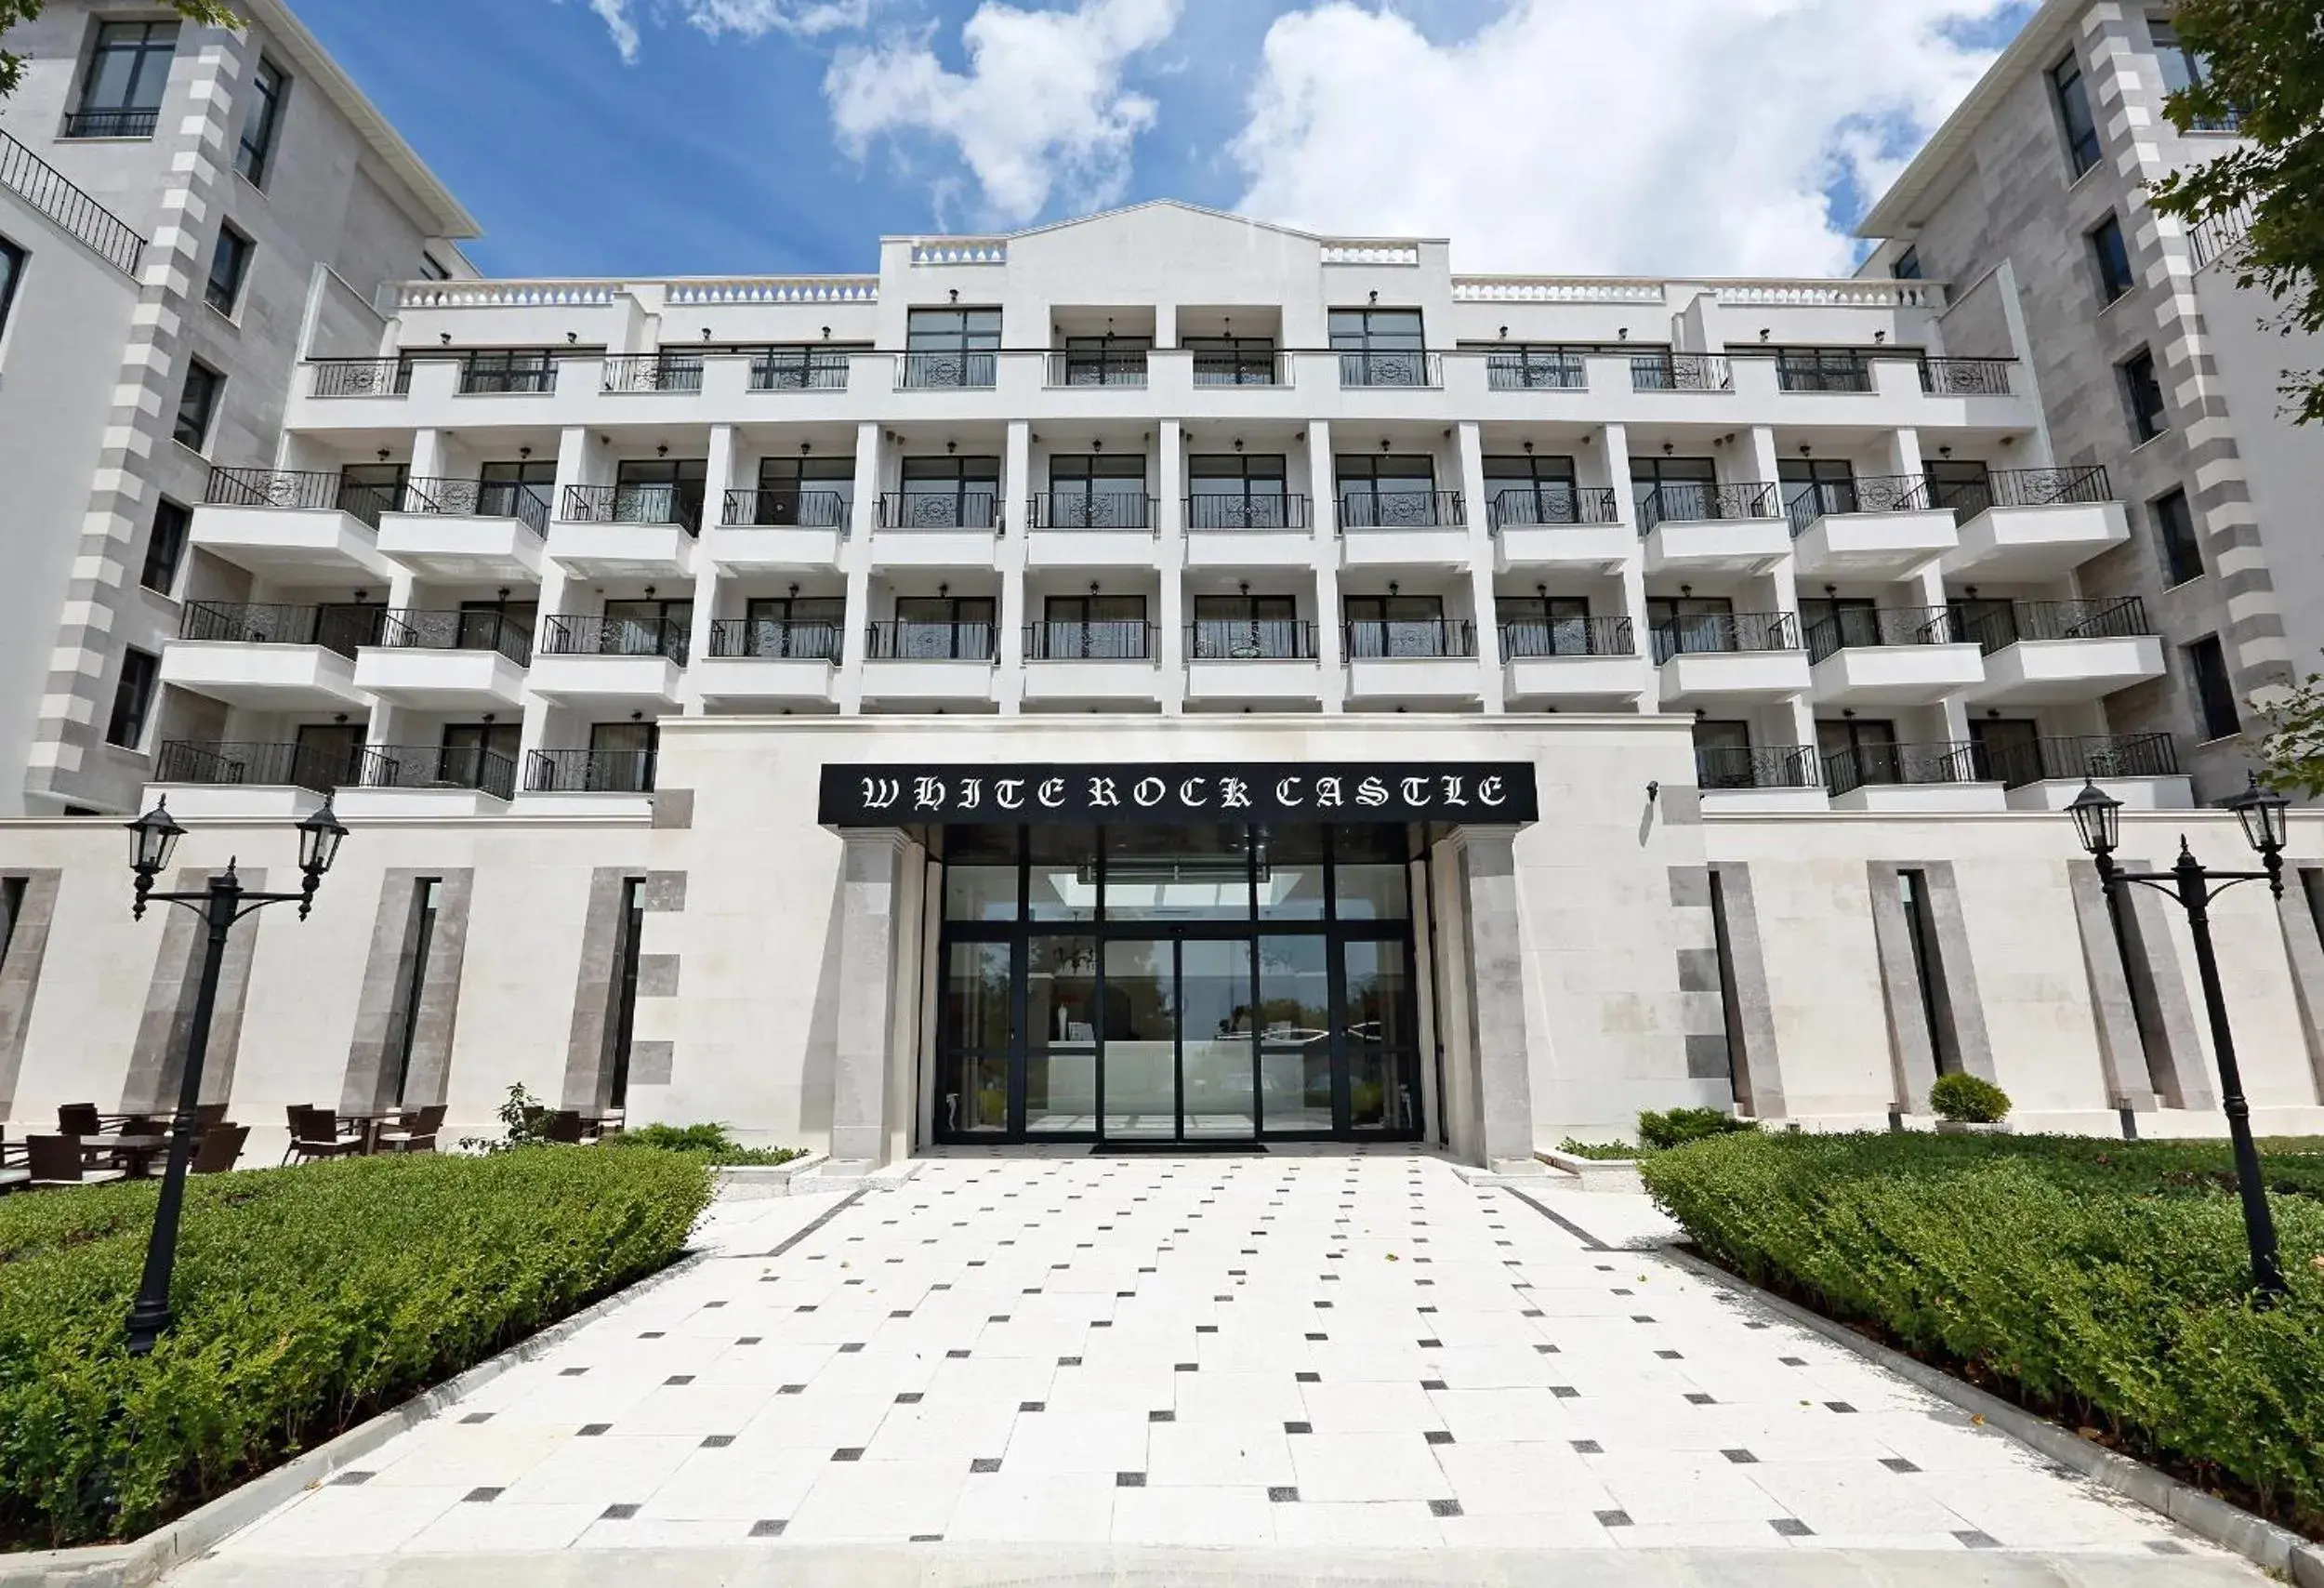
710 1142
1679 1126
1968 1099
1603 1152
308 1300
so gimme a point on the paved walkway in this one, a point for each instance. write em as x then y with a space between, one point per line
1352 1351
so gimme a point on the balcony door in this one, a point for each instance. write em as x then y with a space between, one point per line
1097 491
801 627
647 627
1813 486
945 628
1232 490
1396 625
481 755
1674 488
497 625
621 757
1722 754
327 755
1963 488
950 493
660 490
1686 624
814 493
518 490
2006 750
1246 627
1857 750
1093 627
1526 489
1545 626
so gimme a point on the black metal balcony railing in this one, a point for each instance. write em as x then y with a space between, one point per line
1250 640
1099 639
590 772
1104 510
1965 377
916 372
1531 506
788 509
1865 494
1995 627
1254 511
440 766
1536 371
478 498
43 187
1400 639
1725 632
1123 366
1892 766
296 489
653 371
1681 372
2074 760
1242 369
678 504
1759 766
360 377
1854 627
344 629
924 640
1532 637
1400 510
813 370
778 639
1826 373
568 634
1687 501
258 765
451 630
502 380
940 509
111 123
1412 368
2025 488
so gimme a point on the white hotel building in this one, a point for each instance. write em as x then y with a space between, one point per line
1163 677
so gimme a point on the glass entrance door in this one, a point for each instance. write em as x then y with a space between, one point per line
1175 1054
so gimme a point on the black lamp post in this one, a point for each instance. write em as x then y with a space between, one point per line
2097 820
221 904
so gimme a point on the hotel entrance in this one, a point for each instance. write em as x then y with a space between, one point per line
1198 983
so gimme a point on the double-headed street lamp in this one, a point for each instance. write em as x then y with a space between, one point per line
221 904
2098 821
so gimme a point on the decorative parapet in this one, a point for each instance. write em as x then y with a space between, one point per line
961 251
1349 251
504 294
776 289
1554 289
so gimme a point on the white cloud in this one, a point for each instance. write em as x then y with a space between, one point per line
1579 136
750 19
1040 109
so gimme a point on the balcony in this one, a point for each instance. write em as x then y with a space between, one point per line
2058 653
1559 658
438 769
1883 527
627 531
799 369
938 529
1735 528
119 123
1070 529
1252 661
447 661
1760 777
1681 372
1537 370
1240 368
1100 661
43 187
1891 657
237 765
1558 526
1833 371
511 377
780 531
270 656
1909 777
946 371
590 772
290 527
2033 524
759 662
1409 370
468 530
1258 531
653 371
1403 529
610 661
1736 654
913 661
1118 366
1966 377
359 377
1418 661
2141 770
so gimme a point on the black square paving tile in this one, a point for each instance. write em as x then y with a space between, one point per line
1161 1416
1443 1508
747 1340
651 1335
1974 1539
1898 1464
618 1513
769 1529
1186 1368
1033 1405
909 1397
1319 1337
955 1356
847 1453
1437 1437
1298 1428
717 1441
481 1496
1307 1377
1671 1356
1741 1458
350 1479
792 1389
1432 1383
1431 1344
680 1378
478 1416
1613 1519
571 1373
1564 1392
1069 1361
1545 1349
1840 1405
1282 1494
928 1538
850 1348
1129 1480
985 1464
1587 1447
1792 1527
591 1430
1793 1361
2166 1546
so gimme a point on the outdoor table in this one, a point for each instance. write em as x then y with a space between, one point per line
135 1153
369 1124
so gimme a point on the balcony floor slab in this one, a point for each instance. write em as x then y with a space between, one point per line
462 549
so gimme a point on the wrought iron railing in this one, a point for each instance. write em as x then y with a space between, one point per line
344 629
1823 372
1888 765
1098 640
1965 377
680 505
1250 640
111 123
1995 625
46 188
1853 627
1242 368
360 378
790 509
1413 368
1758 766
921 640
590 772
1400 510
472 628
940 509
300 489
573 634
440 766
2074 760
810 369
1537 370
653 371
1397 639
1723 632
260 765
1681 372
918 372
1104 510
502 379
1688 502
2023 488
1122 366
1865 494
1524 507
2216 236
478 498
1285 511
778 638
1533 636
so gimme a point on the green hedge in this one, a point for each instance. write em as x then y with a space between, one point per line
710 1141
308 1299
2101 1279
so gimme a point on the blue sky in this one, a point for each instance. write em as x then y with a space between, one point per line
1550 135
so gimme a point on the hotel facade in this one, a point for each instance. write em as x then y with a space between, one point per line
1166 678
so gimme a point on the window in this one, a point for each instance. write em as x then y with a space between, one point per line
2174 527
1097 491
419 938
1907 266
2073 99
1231 490
1387 491
622 757
1813 486
2113 255
1251 627
1857 750
255 153
1400 626
1379 347
1674 488
504 371
518 490
228 265
948 493
197 406
818 493
2184 69
1233 361
943 628
626 990
127 71
1912 895
431 269
951 347
132 696
11 271
1531 490
2214 695
165 547
2143 387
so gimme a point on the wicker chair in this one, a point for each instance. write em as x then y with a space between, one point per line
315 1134
419 1134
59 1161
220 1148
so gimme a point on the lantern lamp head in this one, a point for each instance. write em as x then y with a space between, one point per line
2097 820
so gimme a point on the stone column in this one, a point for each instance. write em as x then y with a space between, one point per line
1499 1027
871 879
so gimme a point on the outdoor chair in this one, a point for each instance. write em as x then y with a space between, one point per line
83 1120
209 1117
15 1170
315 1134
58 1160
220 1147
418 1131
564 1125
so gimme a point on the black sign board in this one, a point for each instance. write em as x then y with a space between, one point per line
1480 793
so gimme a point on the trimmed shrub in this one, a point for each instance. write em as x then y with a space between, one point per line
710 1142
1600 1152
1966 1099
2103 1280
1681 1126
308 1299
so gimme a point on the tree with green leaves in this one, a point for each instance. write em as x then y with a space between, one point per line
2262 71
2291 757
15 11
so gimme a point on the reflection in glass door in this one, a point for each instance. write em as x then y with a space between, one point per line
1140 1048
1215 1038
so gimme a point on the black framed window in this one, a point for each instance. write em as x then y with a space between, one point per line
1232 490
197 406
1907 266
432 269
2142 388
1813 486
2175 532
2112 255
165 547
1385 488
229 266
1527 489
951 331
801 627
945 628
12 261
2215 690
1545 626
1249 628
254 153
1097 490
1680 487
1960 485
498 371
1233 361
518 489
404 1017
1379 347
2071 92
128 71
951 492
133 698
816 492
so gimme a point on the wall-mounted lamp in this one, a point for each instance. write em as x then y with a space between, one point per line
571 337
1654 791
444 338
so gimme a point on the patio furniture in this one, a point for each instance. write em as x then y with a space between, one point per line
15 1169
564 1125
208 1115
315 1134
220 1147
83 1120
63 1160
134 1151
597 1127
417 1132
